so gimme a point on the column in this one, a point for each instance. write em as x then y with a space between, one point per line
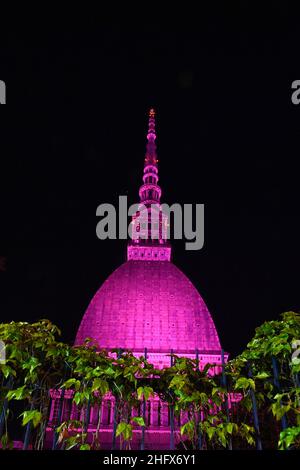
164 415
105 413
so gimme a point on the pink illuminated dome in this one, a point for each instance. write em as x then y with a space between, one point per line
148 303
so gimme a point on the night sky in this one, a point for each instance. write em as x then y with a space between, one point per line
73 136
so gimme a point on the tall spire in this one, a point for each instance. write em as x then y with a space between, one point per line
150 192
149 223
151 157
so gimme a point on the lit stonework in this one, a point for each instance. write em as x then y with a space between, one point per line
148 306
148 302
153 305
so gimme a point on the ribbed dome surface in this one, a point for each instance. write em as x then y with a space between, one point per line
149 304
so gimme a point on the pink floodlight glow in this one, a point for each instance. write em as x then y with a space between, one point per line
148 306
148 302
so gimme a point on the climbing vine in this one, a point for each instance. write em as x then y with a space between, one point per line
259 389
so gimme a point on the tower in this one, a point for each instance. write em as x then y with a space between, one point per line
150 224
148 302
147 305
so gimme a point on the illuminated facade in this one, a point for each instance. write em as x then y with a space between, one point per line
148 305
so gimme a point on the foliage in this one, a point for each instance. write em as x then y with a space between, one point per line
273 343
37 362
34 364
288 437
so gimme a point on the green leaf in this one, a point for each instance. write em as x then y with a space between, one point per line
85 447
18 394
109 371
189 429
72 442
279 410
148 391
288 437
125 429
229 428
31 364
247 403
140 392
247 432
120 428
222 437
100 385
178 381
7 370
77 398
138 420
244 383
203 398
262 375
211 432
31 415
69 383
145 392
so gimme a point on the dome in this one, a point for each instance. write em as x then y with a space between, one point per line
149 304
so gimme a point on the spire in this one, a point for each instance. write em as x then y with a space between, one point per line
151 156
149 224
150 192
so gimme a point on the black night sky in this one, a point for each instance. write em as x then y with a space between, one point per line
73 136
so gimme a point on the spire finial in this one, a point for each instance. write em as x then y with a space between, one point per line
151 157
